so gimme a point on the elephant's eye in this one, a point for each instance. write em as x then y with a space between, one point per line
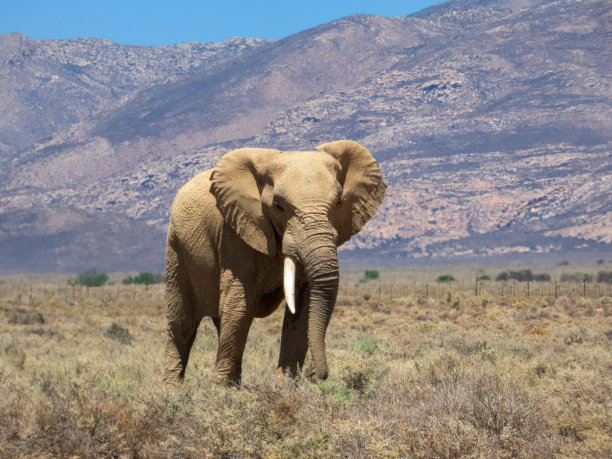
339 203
277 206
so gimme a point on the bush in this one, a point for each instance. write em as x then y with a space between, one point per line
503 276
369 274
90 278
358 380
523 275
604 276
15 355
445 278
481 276
145 278
118 333
23 317
368 347
576 277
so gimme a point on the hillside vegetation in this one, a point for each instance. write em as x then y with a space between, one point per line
458 376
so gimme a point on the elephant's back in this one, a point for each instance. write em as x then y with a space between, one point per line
195 221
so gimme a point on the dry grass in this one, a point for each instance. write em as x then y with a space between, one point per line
462 376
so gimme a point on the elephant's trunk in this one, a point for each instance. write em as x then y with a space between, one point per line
320 260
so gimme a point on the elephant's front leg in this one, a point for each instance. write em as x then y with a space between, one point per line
294 338
236 319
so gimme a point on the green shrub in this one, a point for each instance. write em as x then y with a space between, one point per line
90 278
604 276
445 278
481 276
336 391
503 276
522 275
367 347
371 274
146 278
576 277
543 277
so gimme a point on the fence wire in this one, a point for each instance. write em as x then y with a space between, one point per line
492 288
36 293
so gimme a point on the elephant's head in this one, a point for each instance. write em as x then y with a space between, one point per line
301 205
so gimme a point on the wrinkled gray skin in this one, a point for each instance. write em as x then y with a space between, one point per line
231 229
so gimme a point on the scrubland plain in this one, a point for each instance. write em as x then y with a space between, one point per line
464 375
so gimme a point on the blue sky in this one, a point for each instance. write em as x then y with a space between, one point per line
156 22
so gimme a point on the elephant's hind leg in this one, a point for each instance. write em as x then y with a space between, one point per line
183 320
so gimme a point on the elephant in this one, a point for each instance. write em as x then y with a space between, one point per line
261 229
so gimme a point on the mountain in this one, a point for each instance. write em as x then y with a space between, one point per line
491 120
49 85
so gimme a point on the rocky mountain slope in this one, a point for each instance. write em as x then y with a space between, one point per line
49 85
491 120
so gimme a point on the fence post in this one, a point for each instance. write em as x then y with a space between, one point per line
584 287
527 289
476 287
426 291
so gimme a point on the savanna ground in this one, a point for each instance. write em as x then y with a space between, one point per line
462 375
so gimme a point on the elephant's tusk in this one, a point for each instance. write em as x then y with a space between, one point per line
289 283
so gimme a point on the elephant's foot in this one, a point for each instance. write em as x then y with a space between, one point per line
226 381
228 378
172 380
292 371
174 374
296 372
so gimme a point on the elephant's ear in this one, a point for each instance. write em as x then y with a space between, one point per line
362 183
234 183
